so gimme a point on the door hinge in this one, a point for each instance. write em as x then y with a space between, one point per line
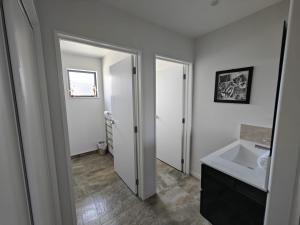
184 76
183 120
137 182
182 161
135 129
134 70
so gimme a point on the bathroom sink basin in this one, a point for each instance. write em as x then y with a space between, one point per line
243 160
242 156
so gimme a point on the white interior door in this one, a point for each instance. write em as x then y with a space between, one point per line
169 112
22 50
14 207
122 107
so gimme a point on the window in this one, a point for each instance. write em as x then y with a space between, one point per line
82 83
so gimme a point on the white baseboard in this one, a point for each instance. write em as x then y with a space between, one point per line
196 174
149 195
84 152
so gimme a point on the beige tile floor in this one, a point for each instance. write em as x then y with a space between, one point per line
103 198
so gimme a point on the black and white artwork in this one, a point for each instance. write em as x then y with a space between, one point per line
234 86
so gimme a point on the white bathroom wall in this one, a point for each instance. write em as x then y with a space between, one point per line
253 41
85 115
107 61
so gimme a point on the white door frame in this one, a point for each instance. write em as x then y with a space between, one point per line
137 104
188 103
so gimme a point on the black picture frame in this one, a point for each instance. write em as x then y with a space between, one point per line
234 86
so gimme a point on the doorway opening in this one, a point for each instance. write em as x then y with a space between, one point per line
100 92
173 122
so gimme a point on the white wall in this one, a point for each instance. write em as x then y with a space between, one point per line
99 22
253 41
85 115
109 60
283 207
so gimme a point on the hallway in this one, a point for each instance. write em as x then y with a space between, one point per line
102 197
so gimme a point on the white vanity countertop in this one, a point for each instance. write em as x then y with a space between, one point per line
255 177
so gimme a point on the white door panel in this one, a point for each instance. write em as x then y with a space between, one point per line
14 208
27 87
169 114
123 116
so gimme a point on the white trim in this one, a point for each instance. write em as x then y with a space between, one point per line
88 41
166 58
139 118
147 196
196 174
188 117
137 93
187 129
31 12
65 129
137 122
47 124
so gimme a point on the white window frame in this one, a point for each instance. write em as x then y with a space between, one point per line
83 71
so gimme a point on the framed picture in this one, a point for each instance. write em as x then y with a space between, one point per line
234 86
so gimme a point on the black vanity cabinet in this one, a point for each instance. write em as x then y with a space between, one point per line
228 201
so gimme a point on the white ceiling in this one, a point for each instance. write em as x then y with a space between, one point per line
83 49
192 18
